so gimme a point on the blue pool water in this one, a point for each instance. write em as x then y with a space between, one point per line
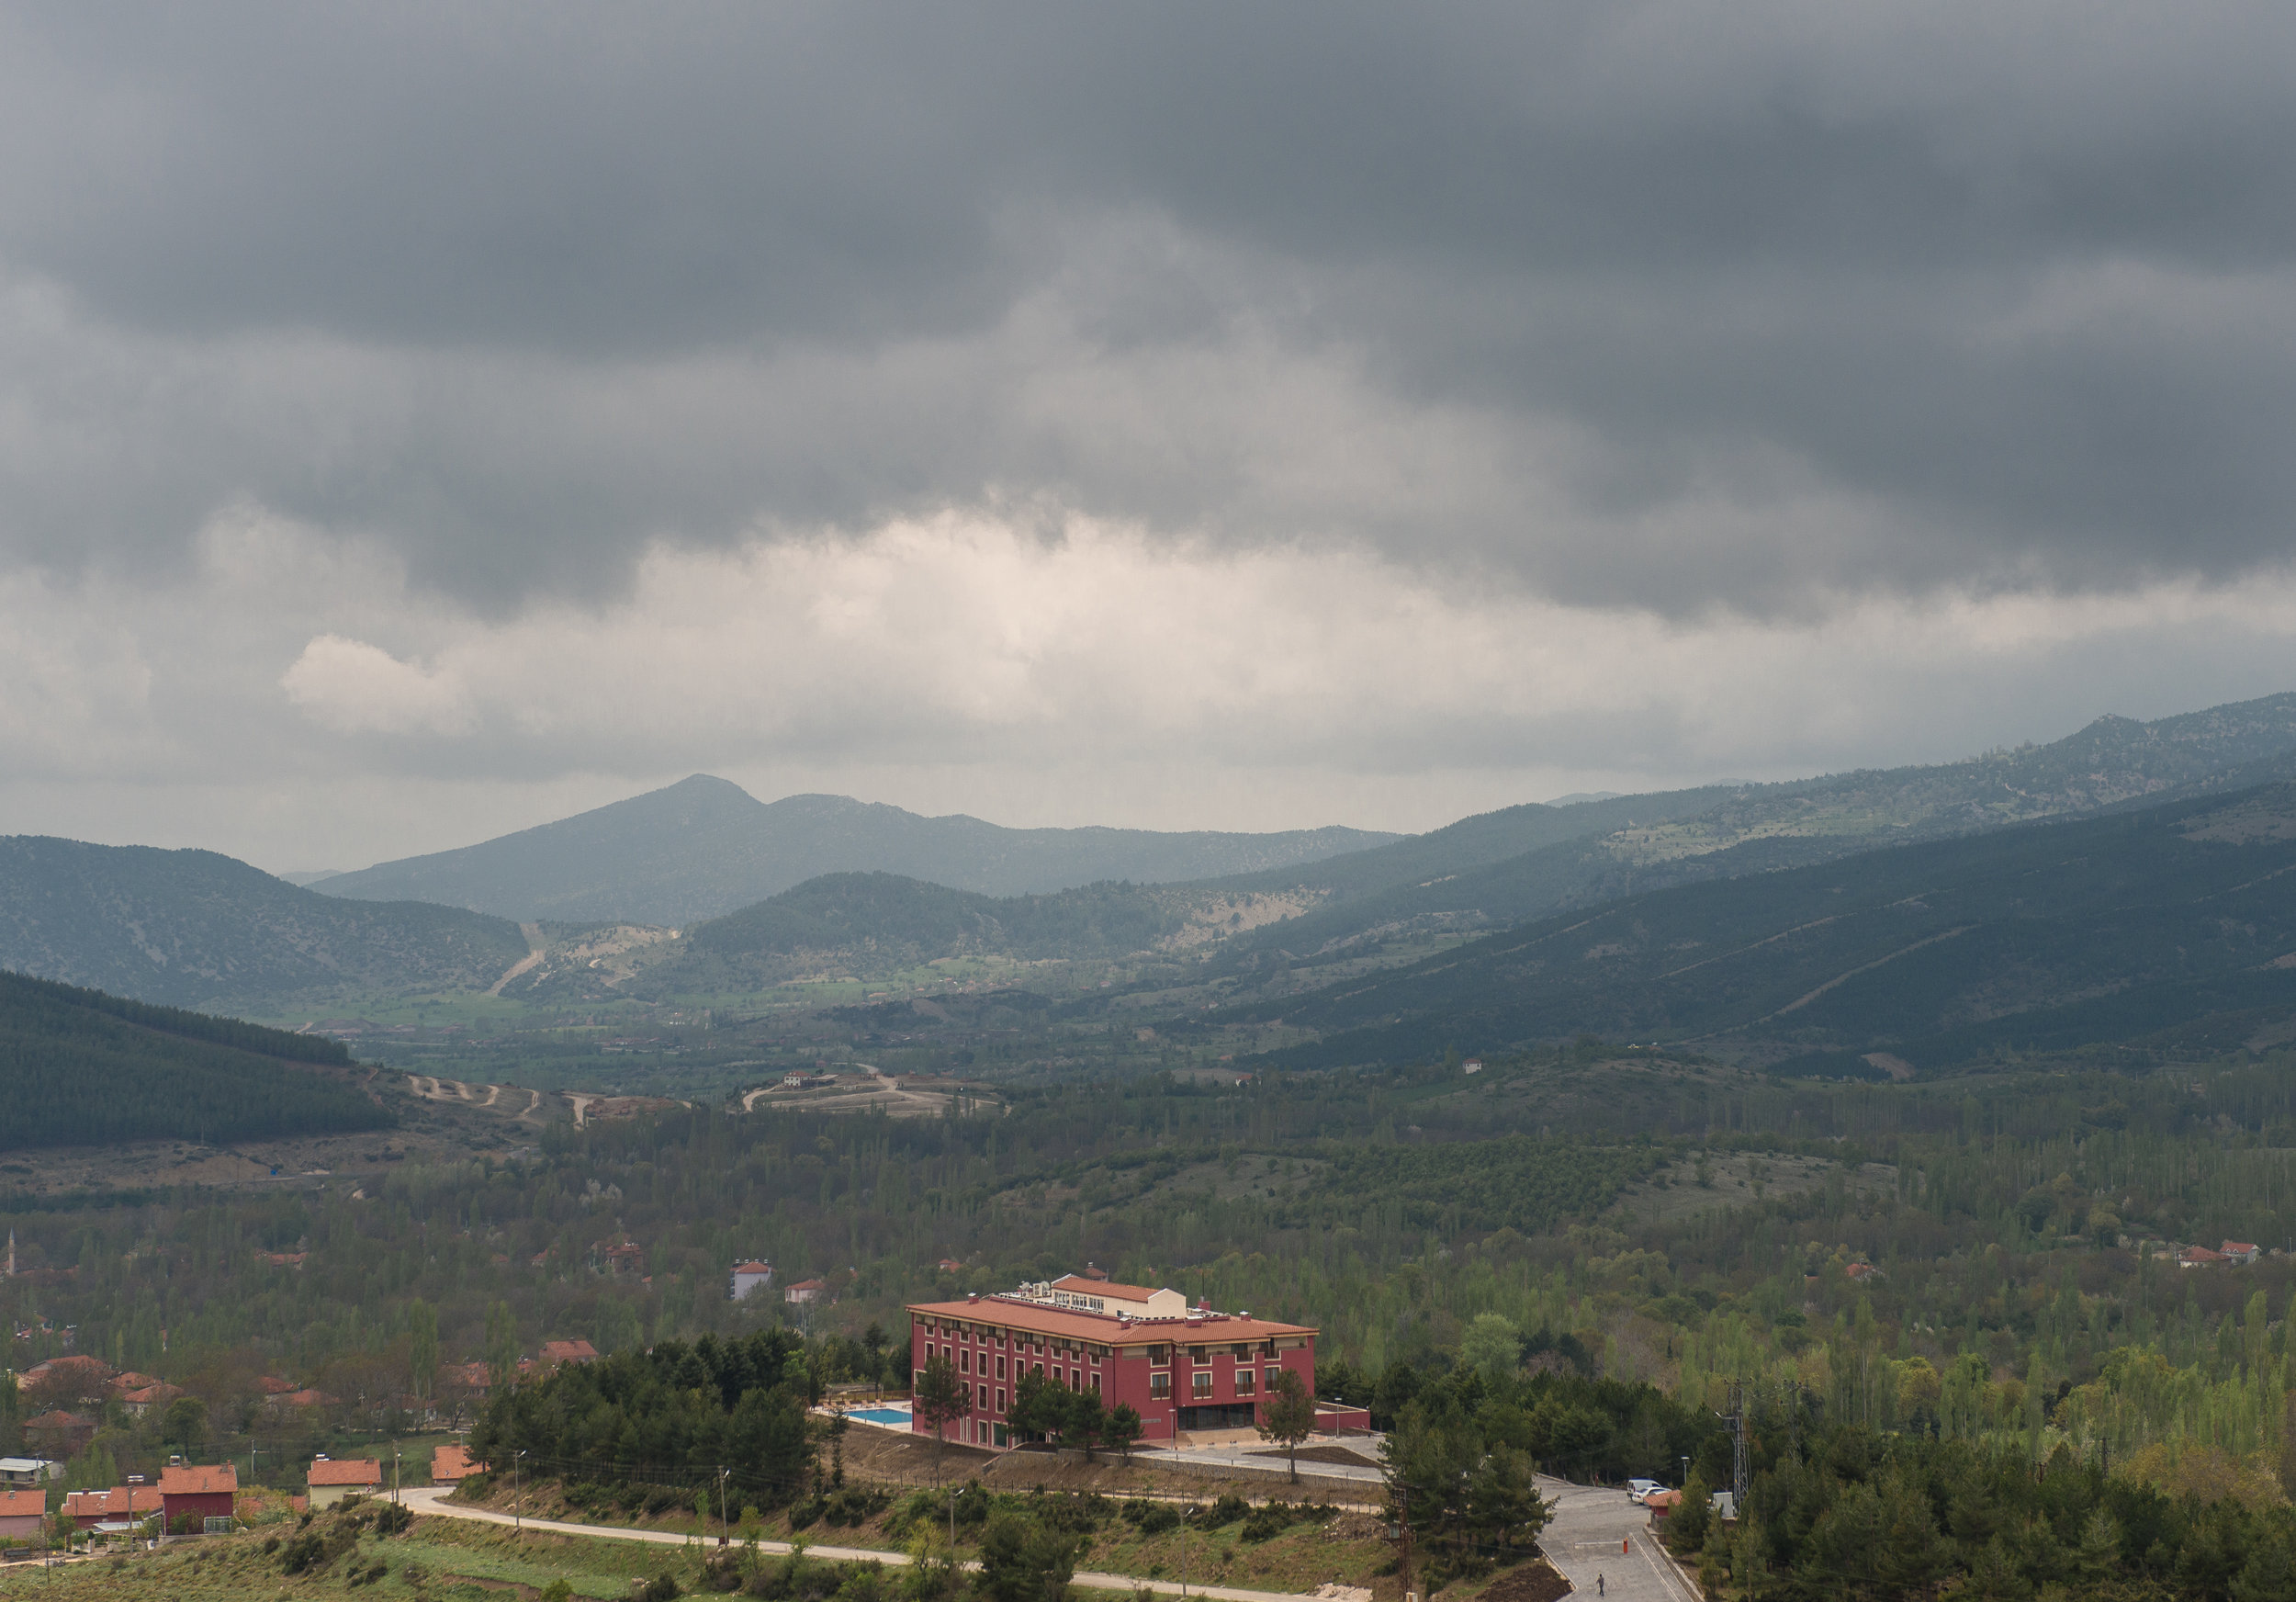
881 1415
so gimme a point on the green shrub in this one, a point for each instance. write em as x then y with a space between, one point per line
1152 1517
1268 1522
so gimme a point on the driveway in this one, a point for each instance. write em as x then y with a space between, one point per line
1584 1541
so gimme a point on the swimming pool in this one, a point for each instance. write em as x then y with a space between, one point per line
899 1415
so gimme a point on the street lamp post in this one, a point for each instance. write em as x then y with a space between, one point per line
518 1504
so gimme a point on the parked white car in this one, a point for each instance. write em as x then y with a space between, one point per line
1639 1491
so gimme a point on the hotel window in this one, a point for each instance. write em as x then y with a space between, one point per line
1272 1372
1000 1398
1242 1352
983 1398
1199 1355
1244 1381
1267 1348
964 1362
1159 1357
1203 1385
1000 1368
1039 1367
920 1380
1159 1387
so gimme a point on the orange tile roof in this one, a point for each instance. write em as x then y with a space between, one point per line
568 1351
23 1504
454 1462
1038 1319
120 1501
345 1472
198 1481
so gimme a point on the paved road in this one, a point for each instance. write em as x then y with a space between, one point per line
430 1500
1583 1538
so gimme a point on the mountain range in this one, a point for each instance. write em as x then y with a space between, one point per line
2053 936
198 929
703 848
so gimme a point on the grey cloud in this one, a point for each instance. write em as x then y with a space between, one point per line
1744 302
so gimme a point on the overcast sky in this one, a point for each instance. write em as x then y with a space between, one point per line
419 420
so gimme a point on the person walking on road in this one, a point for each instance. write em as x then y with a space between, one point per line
1598 1585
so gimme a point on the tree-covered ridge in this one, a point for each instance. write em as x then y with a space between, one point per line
198 929
882 920
81 1068
1466 876
2053 934
227 1031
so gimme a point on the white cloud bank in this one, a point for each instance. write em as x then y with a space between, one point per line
296 701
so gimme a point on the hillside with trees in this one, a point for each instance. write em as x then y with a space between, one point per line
198 929
78 1068
2045 937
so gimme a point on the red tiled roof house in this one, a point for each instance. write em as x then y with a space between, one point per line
20 1514
1183 1370
333 1479
197 1493
120 1505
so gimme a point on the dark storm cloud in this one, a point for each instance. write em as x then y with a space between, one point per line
1770 296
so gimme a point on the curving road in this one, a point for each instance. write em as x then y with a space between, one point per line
430 1500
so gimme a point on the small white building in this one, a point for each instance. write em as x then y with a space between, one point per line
27 1471
751 1278
806 1291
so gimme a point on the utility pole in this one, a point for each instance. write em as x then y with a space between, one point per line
394 1473
724 1530
518 1503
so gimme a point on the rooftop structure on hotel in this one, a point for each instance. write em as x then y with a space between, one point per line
1185 1371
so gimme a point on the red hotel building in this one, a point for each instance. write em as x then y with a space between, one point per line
1183 1369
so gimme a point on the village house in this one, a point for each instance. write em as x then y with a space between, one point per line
58 1434
950 1265
2199 1256
122 1507
806 1291
750 1278
2240 1251
141 1400
1187 1371
556 1354
332 1480
21 1513
28 1471
196 1493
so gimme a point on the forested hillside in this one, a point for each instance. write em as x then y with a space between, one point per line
78 1068
703 848
2044 937
863 924
197 928
1576 856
